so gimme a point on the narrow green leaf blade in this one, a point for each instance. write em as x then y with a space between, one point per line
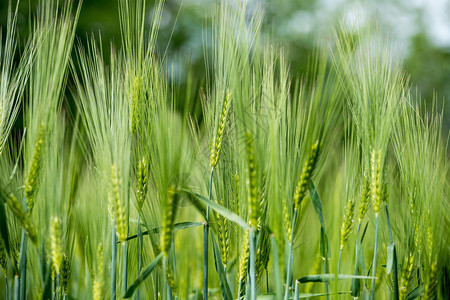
356 283
415 293
144 274
329 277
302 295
390 258
226 291
178 226
231 216
315 198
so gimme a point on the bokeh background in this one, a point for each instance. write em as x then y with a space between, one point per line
420 30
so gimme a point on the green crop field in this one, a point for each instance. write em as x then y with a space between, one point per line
246 184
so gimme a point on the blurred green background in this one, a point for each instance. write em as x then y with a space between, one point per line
419 28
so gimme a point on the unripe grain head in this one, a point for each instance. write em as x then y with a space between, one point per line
31 182
56 244
376 181
216 145
253 203
99 281
23 218
118 210
305 176
347 222
142 182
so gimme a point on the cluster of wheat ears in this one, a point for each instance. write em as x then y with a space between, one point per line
258 186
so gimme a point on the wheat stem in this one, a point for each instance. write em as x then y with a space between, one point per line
297 292
252 263
205 242
16 287
374 265
23 265
355 281
6 288
139 249
291 257
125 265
113 261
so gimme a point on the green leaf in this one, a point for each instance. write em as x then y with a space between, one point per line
144 274
364 232
315 198
415 292
361 262
359 265
226 291
228 214
178 226
329 277
302 295
390 258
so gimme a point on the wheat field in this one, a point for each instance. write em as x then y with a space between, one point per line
257 184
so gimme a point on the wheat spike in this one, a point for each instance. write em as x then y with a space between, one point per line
236 194
224 236
32 177
405 279
376 180
23 218
170 276
135 100
243 263
118 209
168 221
142 181
253 203
429 239
216 144
56 244
430 292
262 254
99 281
305 176
287 220
347 222
365 197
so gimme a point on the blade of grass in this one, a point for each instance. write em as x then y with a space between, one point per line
206 241
154 230
291 257
392 257
415 293
226 291
324 244
228 214
329 277
356 283
144 274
